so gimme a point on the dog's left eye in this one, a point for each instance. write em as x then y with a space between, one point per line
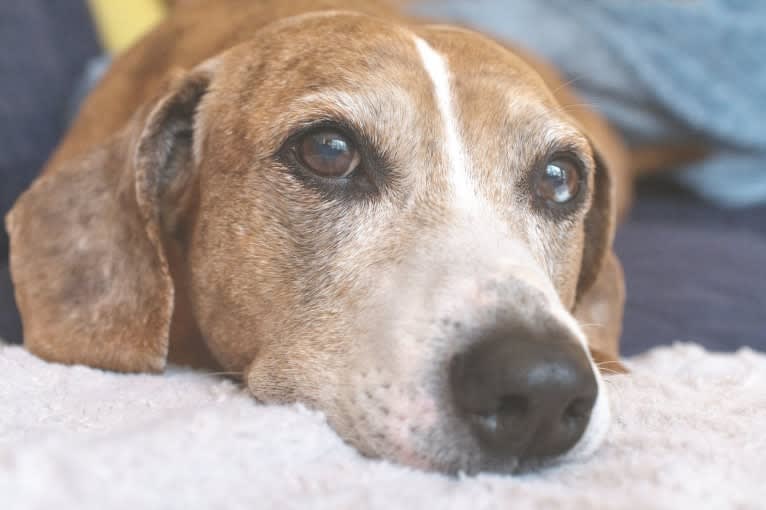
560 181
328 153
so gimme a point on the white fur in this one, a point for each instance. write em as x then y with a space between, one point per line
689 434
460 180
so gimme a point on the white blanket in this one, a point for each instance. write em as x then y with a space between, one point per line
689 432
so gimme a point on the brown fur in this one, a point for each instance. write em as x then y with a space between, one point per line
165 225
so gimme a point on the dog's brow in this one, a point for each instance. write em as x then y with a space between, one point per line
357 106
549 123
436 67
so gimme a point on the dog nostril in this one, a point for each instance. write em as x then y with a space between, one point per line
511 413
523 398
579 409
576 416
513 406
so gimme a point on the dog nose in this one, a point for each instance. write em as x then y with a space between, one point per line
524 398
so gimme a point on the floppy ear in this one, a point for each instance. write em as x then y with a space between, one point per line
599 227
600 286
90 272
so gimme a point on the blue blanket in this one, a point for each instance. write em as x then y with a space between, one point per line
661 70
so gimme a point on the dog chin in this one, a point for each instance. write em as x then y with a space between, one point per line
415 434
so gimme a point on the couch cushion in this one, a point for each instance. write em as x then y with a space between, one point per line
694 272
44 47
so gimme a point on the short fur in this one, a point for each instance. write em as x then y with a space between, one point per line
168 224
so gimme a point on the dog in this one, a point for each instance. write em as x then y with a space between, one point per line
407 226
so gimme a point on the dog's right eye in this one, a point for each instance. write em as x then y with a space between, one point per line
328 153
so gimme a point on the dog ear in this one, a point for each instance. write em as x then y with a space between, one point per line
600 312
600 287
87 259
599 227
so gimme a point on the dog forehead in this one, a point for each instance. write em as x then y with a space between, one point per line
507 114
474 57
343 49
325 49
336 64
379 75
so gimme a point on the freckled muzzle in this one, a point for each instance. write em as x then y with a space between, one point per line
509 399
500 381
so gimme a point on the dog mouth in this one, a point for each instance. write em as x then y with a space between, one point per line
443 448
424 429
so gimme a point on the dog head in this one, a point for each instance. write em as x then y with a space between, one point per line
394 225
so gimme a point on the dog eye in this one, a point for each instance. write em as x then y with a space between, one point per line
328 154
560 182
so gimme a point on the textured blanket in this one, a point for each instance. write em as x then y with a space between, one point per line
689 432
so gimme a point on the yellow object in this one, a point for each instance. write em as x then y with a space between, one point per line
121 22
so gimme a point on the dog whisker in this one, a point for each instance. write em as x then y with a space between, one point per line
603 367
566 84
234 374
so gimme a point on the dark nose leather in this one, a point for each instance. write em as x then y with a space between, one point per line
523 397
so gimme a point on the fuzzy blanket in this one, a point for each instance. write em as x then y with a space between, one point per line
689 432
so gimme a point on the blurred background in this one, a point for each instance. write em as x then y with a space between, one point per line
683 72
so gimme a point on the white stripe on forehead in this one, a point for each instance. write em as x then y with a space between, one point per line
437 70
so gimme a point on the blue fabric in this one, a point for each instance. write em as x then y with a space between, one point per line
661 70
44 45
693 272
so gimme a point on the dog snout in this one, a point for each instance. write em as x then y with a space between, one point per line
523 397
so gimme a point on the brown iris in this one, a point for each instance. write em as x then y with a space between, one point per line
328 153
560 181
